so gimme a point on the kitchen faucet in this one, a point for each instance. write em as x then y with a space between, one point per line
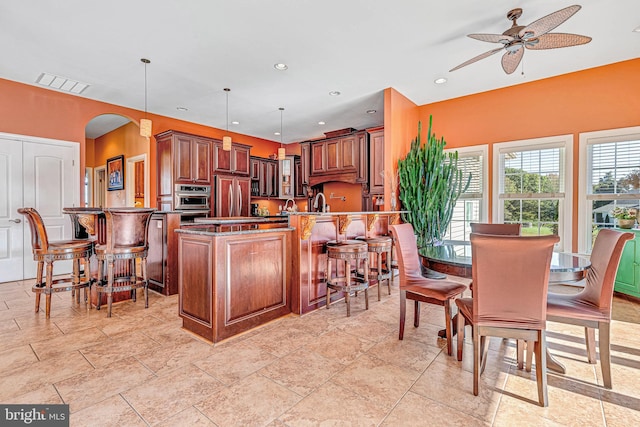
324 202
293 206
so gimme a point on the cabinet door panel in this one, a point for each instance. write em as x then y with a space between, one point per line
241 160
243 186
347 153
222 159
376 162
195 275
201 162
305 158
318 158
334 162
183 159
224 194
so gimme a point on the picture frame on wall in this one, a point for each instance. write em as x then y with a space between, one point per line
115 173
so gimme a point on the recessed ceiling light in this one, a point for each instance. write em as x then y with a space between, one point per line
440 81
235 122
276 133
334 93
61 83
372 111
321 123
636 30
280 67
182 109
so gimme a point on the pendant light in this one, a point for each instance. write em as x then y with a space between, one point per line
226 140
145 124
282 153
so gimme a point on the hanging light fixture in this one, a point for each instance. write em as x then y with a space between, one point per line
282 153
145 124
226 140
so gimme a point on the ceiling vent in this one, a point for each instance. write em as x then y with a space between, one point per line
61 83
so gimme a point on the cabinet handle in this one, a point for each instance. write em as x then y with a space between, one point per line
230 200
239 200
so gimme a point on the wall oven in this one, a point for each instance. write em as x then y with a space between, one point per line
192 197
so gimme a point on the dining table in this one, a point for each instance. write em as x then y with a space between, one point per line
454 258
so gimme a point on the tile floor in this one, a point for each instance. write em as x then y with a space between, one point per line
140 368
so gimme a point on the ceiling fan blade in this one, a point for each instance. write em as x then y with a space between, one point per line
510 60
491 38
477 58
556 40
549 22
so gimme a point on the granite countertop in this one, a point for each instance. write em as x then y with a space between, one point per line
239 220
229 229
343 213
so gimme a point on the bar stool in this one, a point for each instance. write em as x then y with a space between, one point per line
127 240
380 247
48 252
347 251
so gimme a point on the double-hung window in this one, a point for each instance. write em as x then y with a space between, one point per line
472 205
532 186
609 178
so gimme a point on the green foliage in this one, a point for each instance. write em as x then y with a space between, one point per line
430 184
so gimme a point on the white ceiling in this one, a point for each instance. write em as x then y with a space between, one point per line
357 47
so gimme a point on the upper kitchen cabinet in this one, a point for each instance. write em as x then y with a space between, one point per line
182 159
341 158
376 160
234 162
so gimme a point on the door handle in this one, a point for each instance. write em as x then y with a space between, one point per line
230 200
239 200
17 220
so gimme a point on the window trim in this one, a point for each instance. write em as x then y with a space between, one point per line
559 141
586 139
482 150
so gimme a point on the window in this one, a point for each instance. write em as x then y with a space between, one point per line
609 177
532 186
472 206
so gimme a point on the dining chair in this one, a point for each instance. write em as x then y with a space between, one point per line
414 286
47 252
499 229
511 277
127 240
591 307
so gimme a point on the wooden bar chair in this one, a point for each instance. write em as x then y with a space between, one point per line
127 240
46 252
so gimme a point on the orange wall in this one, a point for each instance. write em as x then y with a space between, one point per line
599 98
35 111
401 117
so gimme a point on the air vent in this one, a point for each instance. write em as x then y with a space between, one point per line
61 83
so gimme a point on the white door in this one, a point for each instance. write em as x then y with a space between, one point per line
48 181
11 222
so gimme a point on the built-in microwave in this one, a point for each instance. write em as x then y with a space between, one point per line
190 197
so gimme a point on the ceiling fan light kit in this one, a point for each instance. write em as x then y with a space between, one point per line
535 36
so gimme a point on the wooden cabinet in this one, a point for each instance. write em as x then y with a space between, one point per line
305 166
162 257
376 161
299 179
217 301
264 177
233 195
628 275
338 159
181 159
235 162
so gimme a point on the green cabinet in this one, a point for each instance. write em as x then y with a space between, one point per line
628 276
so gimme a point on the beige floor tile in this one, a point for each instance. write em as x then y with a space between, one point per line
180 388
170 356
340 346
73 341
332 405
417 411
190 417
45 393
253 401
119 347
302 371
16 358
281 341
405 353
95 385
235 362
376 380
113 411
624 413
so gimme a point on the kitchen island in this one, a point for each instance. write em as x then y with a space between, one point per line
311 232
233 275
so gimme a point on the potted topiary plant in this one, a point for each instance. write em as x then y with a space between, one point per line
430 185
626 217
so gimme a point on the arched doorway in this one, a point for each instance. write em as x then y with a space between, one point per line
109 136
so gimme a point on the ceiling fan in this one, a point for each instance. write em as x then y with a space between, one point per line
535 36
